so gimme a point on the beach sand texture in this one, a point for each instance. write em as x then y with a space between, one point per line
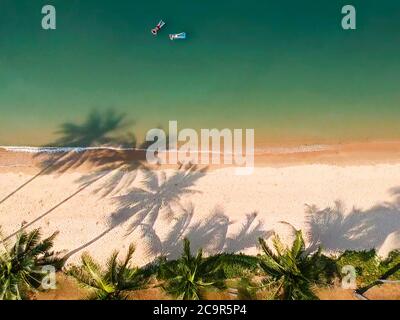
102 208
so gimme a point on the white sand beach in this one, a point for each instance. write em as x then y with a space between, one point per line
339 207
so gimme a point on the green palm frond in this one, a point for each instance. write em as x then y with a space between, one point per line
298 246
112 268
191 275
114 281
21 264
291 270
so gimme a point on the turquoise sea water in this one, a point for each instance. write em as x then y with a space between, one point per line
285 68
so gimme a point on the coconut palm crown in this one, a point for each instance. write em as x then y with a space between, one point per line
189 277
291 271
112 282
22 264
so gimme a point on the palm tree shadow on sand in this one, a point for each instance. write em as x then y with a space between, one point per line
160 195
211 234
335 230
99 129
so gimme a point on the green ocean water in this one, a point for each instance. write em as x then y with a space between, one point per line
285 68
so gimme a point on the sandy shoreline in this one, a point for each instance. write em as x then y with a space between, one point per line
344 198
356 153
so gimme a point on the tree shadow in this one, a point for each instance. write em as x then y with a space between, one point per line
85 245
157 196
46 213
113 166
121 168
141 207
335 230
99 129
161 198
89 141
248 234
212 234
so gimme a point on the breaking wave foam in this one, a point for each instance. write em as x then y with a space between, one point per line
259 151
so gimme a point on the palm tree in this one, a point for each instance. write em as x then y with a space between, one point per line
113 282
291 271
188 277
21 265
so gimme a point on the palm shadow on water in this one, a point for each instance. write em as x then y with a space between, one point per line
337 231
107 129
97 130
91 141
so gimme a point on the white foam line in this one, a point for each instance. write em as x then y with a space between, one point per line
60 149
271 150
297 149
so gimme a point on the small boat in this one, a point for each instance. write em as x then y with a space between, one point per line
178 36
